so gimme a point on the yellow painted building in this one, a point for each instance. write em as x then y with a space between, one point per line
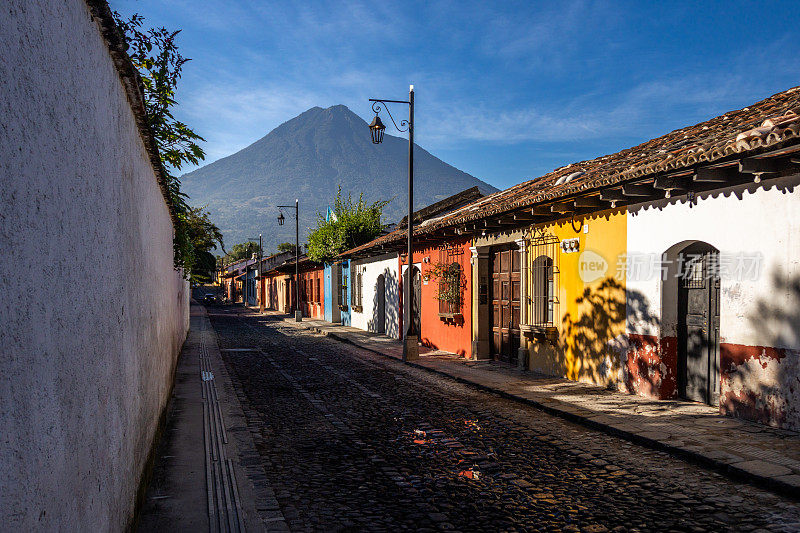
573 324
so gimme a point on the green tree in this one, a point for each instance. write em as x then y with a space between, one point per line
355 223
288 247
202 236
154 52
241 251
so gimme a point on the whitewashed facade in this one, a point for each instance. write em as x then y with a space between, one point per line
756 230
379 311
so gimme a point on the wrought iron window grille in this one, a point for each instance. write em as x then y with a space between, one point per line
342 287
451 280
357 290
544 280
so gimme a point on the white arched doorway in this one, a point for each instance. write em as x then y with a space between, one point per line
691 308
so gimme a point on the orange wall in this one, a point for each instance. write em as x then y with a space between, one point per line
451 335
312 301
276 287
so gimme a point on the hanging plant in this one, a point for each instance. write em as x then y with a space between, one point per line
449 280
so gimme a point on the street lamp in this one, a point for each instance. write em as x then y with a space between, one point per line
376 128
298 313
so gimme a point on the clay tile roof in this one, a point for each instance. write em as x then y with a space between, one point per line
767 123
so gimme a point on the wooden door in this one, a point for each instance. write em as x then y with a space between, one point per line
380 305
416 312
698 326
505 304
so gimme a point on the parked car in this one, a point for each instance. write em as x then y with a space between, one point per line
210 298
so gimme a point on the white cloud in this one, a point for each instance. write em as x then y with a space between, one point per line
645 109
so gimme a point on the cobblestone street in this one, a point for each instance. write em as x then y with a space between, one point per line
350 440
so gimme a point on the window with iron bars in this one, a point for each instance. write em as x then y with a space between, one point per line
544 280
342 286
355 293
450 280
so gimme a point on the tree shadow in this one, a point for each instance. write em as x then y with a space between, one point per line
762 382
390 318
648 360
593 346
428 343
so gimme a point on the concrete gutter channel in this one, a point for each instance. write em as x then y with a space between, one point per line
789 485
208 474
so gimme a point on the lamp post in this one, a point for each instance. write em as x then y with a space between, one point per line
298 313
258 268
376 128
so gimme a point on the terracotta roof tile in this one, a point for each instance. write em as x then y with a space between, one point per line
767 123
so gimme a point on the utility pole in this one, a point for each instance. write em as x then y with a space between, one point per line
298 313
260 276
411 342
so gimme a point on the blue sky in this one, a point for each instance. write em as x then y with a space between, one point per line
506 91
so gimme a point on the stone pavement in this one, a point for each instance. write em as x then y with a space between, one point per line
207 474
743 450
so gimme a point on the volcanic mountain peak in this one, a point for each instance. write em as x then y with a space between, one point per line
308 157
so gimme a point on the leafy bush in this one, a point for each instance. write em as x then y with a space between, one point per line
154 53
352 224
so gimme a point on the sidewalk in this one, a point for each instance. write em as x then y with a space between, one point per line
751 452
207 474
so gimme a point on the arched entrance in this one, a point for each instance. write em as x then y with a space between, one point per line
379 316
698 323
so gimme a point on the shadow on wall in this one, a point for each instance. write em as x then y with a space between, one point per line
784 185
385 315
272 295
425 341
593 346
762 383
648 361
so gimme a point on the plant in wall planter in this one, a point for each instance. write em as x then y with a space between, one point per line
450 286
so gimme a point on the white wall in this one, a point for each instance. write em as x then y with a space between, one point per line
760 317
763 218
93 312
385 265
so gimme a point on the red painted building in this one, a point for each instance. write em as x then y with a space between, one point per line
443 289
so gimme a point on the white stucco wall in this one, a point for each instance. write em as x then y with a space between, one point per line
757 219
759 314
385 265
93 313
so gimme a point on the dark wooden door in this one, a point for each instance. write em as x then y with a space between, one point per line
505 304
380 305
415 312
698 326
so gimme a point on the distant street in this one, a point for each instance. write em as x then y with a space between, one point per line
353 441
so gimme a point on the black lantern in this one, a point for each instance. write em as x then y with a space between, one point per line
376 129
281 218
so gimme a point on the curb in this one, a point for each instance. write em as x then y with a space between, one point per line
774 485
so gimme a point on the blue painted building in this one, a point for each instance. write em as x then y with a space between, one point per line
344 292
337 287
337 292
252 287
